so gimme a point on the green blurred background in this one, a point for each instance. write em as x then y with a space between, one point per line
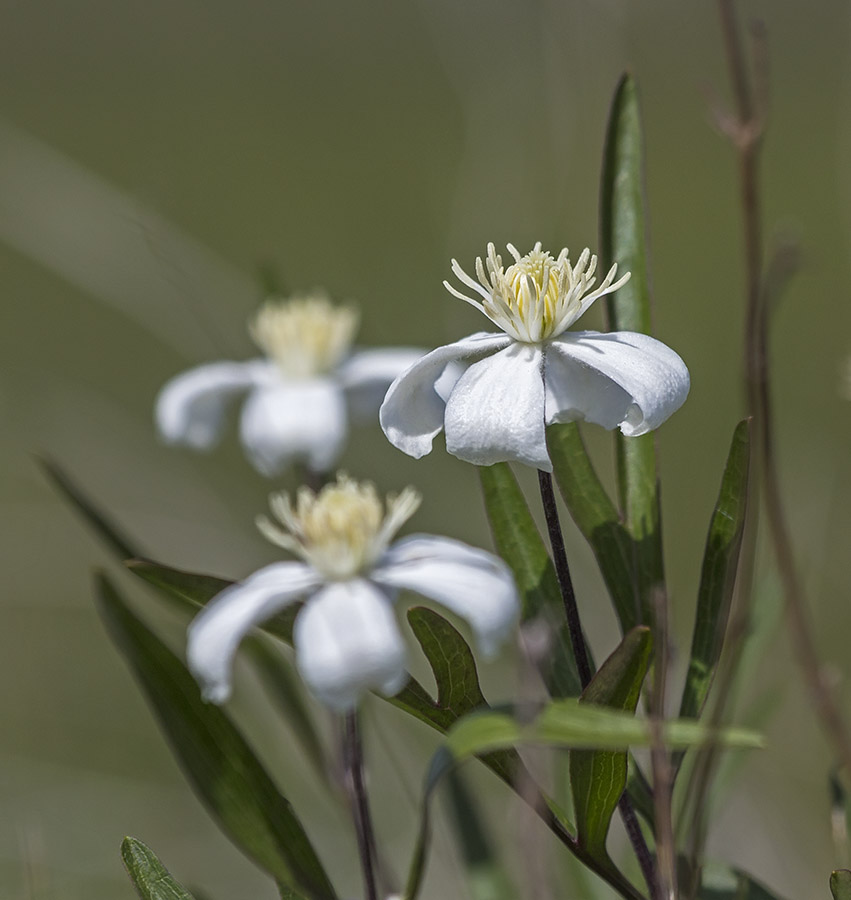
153 156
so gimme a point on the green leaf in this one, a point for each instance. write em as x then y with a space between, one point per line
597 518
191 591
215 757
722 882
114 538
519 543
598 777
840 884
570 723
718 575
623 229
457 679
149 876
451 660
624 241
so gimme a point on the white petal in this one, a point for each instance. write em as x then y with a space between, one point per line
216 631
366 375
347 642
622 378
471 582
298 419
496 410
190 409
412 412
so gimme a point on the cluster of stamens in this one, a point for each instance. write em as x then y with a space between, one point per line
538 296
306 335
341 530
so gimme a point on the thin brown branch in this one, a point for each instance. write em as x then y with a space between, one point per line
750 93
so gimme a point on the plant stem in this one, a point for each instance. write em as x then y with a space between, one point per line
583 664
353 757
745 132
571 610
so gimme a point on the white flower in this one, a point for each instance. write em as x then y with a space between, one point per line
495 393
300 397
346 637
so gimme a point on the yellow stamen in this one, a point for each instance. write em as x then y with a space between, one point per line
306 335
538 296
342 530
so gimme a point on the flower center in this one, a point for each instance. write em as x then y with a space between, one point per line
306 336
538 296
342 530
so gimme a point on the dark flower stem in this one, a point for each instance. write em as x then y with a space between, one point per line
583 664
571 610
353 759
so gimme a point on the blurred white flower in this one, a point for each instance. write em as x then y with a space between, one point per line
346 638
300 396
495 393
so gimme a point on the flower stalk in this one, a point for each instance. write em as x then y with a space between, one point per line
571 610
353 761
583 665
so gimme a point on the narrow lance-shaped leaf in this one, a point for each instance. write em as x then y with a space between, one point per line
597 518
519 543
598 777
116 541
840 884
215 757
149 876
624 241
190 591
718 574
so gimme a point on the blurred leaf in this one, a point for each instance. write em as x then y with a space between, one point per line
486 876
623 233
570 723
217 761
640 793
518 542
107 531
718 575
597 518
598 777
192 591
723 882
149 876
840 884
